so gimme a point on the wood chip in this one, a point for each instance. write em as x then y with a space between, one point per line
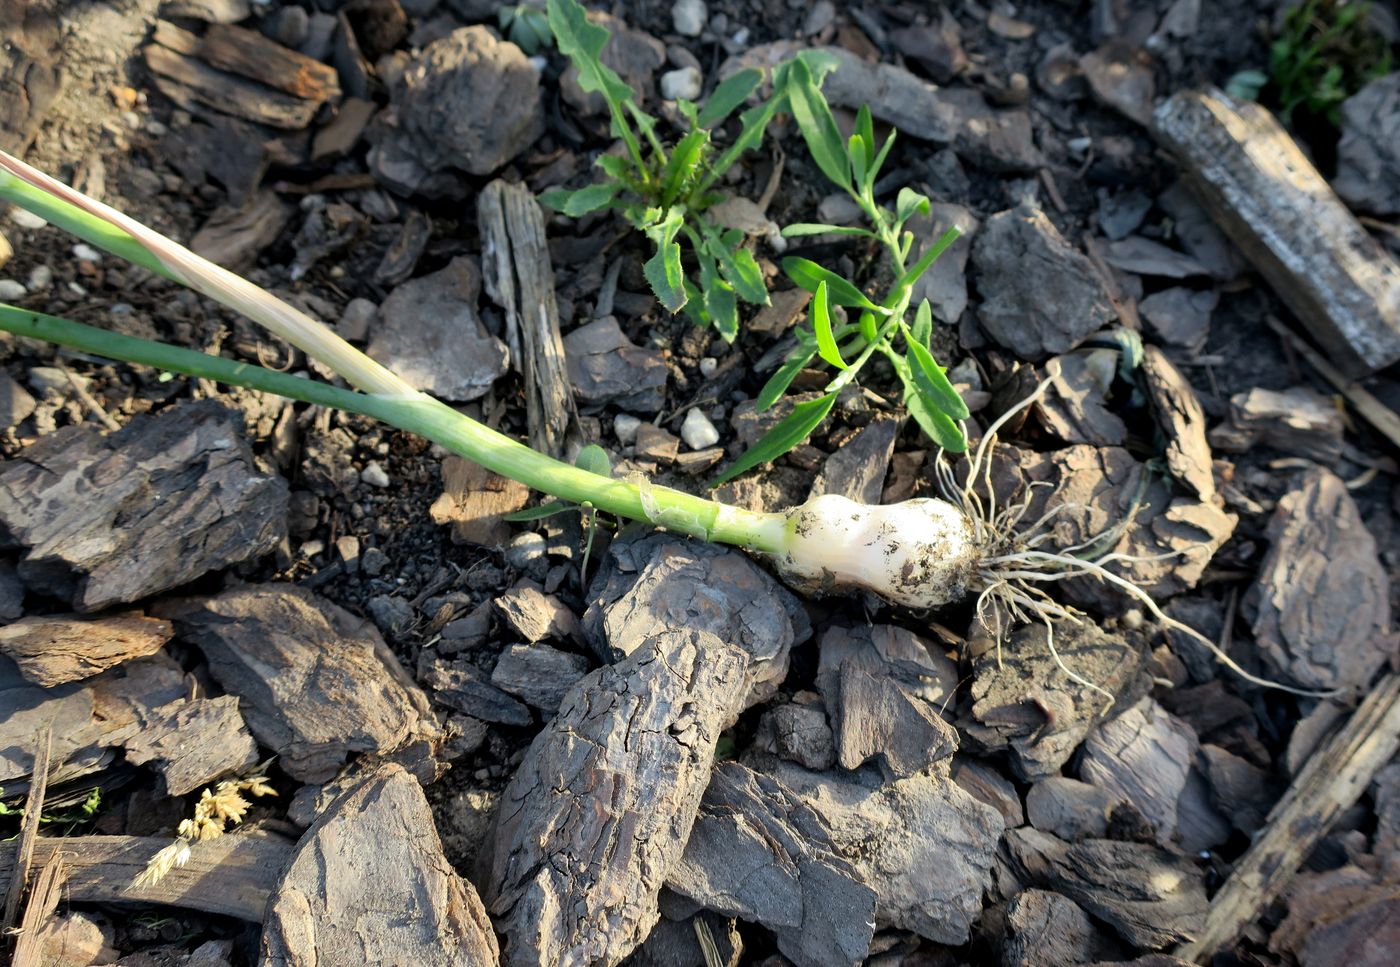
193 742
1275 206
232 875
253 55
474 500
318 684
54 649
369 883
1182 421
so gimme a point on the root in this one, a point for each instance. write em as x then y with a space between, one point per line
1016 566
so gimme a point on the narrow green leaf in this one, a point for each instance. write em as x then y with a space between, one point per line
790 431
809 275
879 161
932 381
928 258
663 269
801 229
539 513
582 42
865 128
594 459
940 429
721 306
859 159
779 382
680 171
581 201
821 325
731 92
909 202
923 323
616 166
817 125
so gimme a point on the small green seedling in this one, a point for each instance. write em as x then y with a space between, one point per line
663 191
844 346
1325 54
526 26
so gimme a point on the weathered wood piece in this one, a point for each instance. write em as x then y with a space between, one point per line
1275 206
1025 703
232 875
368 883
1322 599
601 808
28 830
43 900
55 649
111 519
1182 421
1299 420
193 742
474 500
1333 780
1152 898
253 55
30 77
758 853
1046 929
194 86
538 674
519 276
317 683
896 833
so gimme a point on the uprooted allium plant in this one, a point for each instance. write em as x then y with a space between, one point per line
920 554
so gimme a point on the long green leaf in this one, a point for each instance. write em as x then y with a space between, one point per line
923 323
720 305
879 161
581 201
821 325
928 258
809 275
790 431
663 269
932 380
859 159
736 264
817 125
800 229
940 429
779 382
548 509
865 128
730 93
582 42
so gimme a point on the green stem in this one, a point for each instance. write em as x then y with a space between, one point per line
432 420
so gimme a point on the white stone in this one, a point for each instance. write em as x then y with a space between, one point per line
86 253
625 426
26 219
689 17
11 290
697 431
40 278
6 250
681 84
374 475
525 549
708 365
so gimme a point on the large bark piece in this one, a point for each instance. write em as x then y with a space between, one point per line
1275 206
317 683
110 519
520 279
193 742
56 649
601 808
369 884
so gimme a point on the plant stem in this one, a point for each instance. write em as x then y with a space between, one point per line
433 420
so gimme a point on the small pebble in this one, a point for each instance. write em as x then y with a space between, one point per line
26 219
625 426
86 253
40 278
682 84
312 548
697 431
708 365
6 250
374 475
373 562
11 290
689 17
525 549
355 320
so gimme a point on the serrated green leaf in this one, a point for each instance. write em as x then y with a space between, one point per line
821 325
790 431
908 203
818 127
865 128
819 63
779 382
582 42
809 275
923 323
932 381
731 92
581 201
594 459
737 265
616 166
800 229
539 513
684 164
663 269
